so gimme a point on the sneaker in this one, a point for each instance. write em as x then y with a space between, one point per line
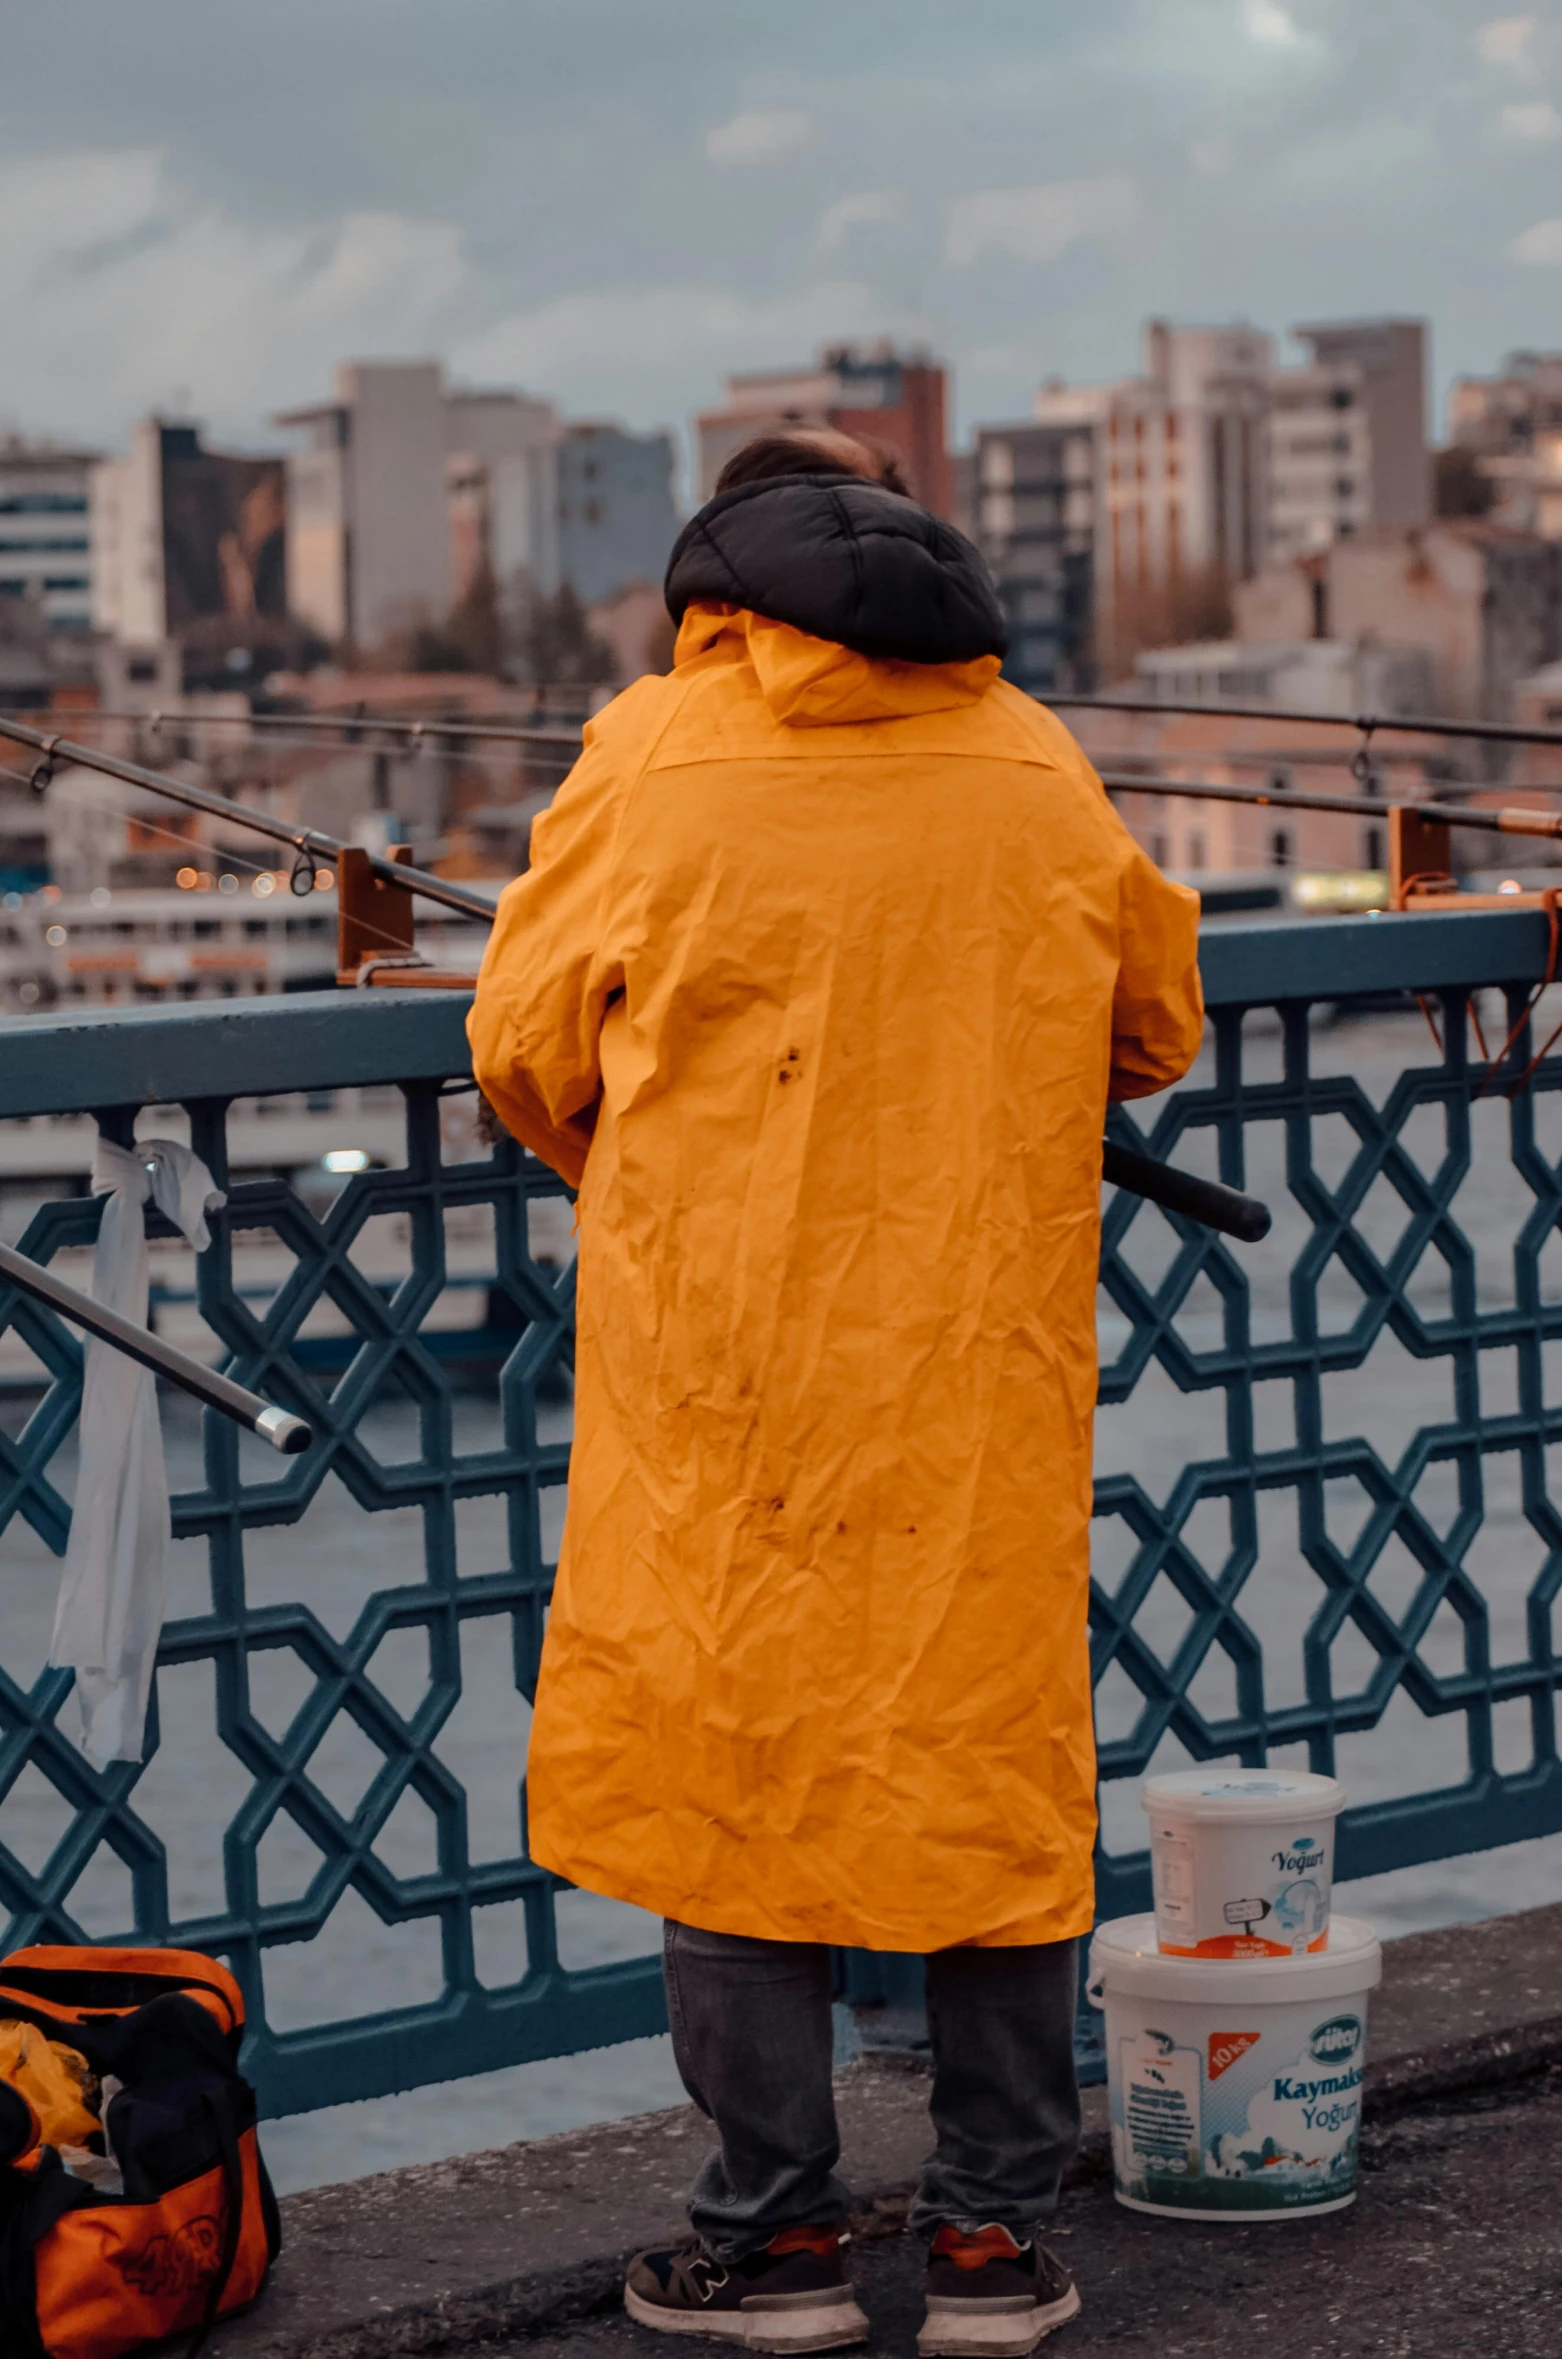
989 2296
793 2295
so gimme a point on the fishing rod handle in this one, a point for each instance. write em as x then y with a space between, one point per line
1209 1201
279 1427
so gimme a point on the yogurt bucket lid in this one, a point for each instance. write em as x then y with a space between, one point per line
1124 1959
1255 1797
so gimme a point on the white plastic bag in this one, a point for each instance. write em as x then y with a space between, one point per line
113 1591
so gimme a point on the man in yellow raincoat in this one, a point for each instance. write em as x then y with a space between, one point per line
831 954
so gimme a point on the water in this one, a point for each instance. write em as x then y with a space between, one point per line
340 1553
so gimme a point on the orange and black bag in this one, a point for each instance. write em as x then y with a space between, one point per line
86 2273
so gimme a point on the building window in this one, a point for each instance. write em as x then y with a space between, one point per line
1280 848
1344 487
1279 781
1198 850
1160 849
1372 848
1340 397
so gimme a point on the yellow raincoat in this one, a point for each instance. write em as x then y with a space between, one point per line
821 978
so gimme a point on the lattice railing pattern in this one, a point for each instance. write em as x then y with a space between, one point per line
1326 1531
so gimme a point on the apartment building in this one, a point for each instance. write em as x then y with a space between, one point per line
1216 461
501 478
183 535
1512 424
1033 517
899 398
1179 482
1347 445
368 526
405 487
46 531
616 519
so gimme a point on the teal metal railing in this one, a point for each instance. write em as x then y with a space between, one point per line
1327 1522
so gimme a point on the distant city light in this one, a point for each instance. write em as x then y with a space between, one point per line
1510 884
13 901
227 883
345 1159
325 878
187 879
264 886
100 896
56 937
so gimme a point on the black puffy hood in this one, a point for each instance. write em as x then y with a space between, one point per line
844 560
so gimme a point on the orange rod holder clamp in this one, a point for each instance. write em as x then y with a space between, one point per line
1420 859
375 932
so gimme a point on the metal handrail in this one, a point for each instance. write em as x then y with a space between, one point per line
1507 819
1368 724
530 733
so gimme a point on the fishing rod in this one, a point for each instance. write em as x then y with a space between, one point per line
1504 820
279 1427
1209 1201
312 845
1369 724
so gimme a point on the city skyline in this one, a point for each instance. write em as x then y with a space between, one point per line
615 208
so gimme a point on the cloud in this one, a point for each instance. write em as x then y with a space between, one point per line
1037 224
1531 121
1540 246
1268 21
138 295
1211 157
1505 40
684 336
763 136
866 208
125 278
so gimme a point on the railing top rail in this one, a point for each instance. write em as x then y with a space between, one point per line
70 1059
61 1062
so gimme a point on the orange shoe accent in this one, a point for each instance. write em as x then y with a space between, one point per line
822 2241
991 2243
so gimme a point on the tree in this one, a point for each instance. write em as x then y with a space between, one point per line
558 644
1460 486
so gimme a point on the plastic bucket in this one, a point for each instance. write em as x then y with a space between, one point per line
1235 2084
1242 1861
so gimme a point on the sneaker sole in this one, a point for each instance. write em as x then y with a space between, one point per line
955 2329
812 2325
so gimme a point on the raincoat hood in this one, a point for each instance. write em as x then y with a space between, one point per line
811 683
844 561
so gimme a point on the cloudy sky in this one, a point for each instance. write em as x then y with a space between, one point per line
204 203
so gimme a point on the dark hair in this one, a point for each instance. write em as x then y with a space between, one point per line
779 453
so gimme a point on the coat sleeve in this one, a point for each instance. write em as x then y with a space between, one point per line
547 976
1158 1006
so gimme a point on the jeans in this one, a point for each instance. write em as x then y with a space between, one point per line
753 2038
